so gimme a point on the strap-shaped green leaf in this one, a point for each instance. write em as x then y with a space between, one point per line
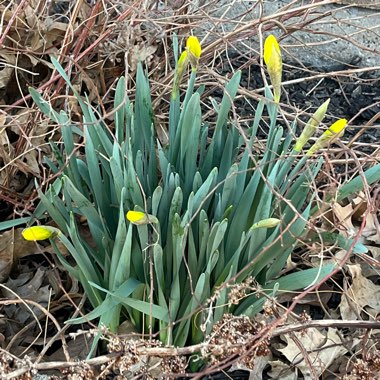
14 223
291 282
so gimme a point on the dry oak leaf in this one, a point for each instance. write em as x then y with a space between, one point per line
322 350
344 215
27 286
372 230
3 133
256 371
12 247
360 296
283 371
360 205
7 64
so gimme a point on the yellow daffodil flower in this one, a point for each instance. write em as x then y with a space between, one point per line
37 233
273 61
335 131
194 50
140 218
311 126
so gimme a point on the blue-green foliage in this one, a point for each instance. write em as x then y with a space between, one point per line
207 187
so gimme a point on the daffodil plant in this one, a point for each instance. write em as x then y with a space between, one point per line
174 226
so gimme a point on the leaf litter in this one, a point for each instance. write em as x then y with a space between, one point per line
322 348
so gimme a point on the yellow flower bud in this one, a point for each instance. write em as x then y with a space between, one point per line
273 61
194 49
37 233
335 131
139 218
266 223
193 45
311 126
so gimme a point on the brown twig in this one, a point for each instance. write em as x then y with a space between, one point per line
12 19
164 352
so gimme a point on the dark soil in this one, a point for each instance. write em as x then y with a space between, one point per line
353 96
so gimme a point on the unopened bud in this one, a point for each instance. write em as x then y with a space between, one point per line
273 61
194 49
140 218
37 233
335 131
311 126
266 223
180 70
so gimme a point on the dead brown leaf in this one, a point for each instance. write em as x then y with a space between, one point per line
375 251
372 230
255 372
283 371
360 296
78 349
12 247
27 286
344 215
322 349
3 135
7 63
360 206
140 53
